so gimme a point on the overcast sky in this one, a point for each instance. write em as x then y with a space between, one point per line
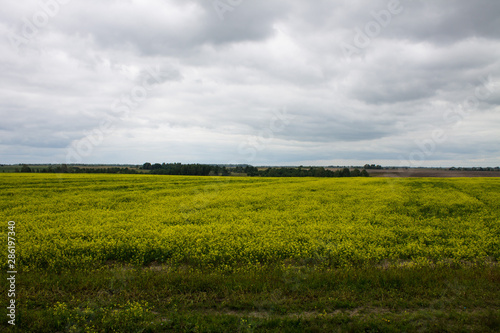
263 82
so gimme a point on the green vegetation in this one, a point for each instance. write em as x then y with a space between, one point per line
127 253
248 170
297 299
179 169
64 168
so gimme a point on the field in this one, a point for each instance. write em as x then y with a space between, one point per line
129 253
429 172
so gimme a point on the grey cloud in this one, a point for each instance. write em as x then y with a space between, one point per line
172 27
450 22
222 81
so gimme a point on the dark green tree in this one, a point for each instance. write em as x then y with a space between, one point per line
346 172
356 173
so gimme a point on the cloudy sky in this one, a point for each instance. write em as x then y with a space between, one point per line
263 82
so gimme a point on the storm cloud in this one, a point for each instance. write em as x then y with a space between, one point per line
260 82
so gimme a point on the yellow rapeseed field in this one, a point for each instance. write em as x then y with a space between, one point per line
65 221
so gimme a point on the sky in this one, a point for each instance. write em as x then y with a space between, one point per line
260 82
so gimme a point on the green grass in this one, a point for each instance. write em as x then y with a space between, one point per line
261 299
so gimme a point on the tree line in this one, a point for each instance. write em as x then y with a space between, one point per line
180 169
64 168
248 170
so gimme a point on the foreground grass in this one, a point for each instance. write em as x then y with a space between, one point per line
260 299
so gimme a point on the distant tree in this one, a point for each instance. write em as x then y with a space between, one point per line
146 166
372 166
25 168
346 172
319 172
251 170
355 173
364 173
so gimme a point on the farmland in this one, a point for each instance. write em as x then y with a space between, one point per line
181 253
